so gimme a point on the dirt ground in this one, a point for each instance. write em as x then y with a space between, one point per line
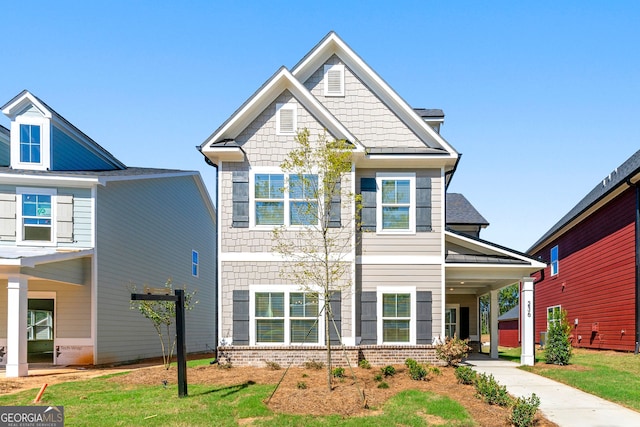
344 399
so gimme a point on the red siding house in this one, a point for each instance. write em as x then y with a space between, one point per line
592 273
508 328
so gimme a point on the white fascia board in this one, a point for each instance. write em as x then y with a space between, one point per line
275 86
49 181
333 44
464 241
18 104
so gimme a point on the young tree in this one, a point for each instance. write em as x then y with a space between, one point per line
326 211
162 315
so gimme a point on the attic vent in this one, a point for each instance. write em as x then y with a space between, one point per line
334 80
285 119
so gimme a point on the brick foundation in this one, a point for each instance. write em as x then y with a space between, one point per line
297 356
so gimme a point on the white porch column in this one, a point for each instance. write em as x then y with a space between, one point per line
527 329
17 305
494 309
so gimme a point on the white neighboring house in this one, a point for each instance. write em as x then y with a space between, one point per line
420 267
77 227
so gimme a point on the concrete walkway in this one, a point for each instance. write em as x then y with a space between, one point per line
564 405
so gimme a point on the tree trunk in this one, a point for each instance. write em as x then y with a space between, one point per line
327 319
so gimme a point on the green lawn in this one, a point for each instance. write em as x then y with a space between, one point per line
99 402
614 376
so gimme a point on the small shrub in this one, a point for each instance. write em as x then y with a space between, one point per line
274 366
337 372
383 385
465 375
416 371
491 392
301 385
558 346
305 376
377 377
453 351
312 364
364 364
524 411
435 370
388 371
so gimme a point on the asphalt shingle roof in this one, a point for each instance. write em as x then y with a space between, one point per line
615 179
461 211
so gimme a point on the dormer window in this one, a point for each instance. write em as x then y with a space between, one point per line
334 80
29 144
286 120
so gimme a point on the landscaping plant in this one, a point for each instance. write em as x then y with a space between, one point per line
465 375
490 391
453 350
524 411
558 346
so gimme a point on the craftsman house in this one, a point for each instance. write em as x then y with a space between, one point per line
77 229
414 277
593 274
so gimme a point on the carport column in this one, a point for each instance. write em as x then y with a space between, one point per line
527 338
17 305
494 309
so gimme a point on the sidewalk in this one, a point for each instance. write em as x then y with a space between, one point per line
564 405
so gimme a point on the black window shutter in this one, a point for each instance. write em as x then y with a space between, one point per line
335 208
423 203
424 317
240 317
368 212
336 309
368 319
240 199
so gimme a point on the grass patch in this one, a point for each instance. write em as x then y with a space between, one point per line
100 402
611 375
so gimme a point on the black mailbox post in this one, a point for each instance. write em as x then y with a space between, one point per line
180 332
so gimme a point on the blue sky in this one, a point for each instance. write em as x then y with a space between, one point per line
541 98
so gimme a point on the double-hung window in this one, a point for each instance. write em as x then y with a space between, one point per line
396 202
274 204
554 260
286 317
554 315
396 315
30 143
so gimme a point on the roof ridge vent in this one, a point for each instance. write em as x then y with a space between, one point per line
609 177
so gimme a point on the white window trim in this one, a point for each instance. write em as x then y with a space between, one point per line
286 289
19 225
382 176
412 321
334 67
195 264
45 143
293 108
287 200
457 307
554 272
553 307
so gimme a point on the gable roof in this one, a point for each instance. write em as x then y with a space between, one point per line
512 314
617 181
24 98
265 95
332 44
461 211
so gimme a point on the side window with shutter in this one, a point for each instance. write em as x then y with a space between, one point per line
335 208
368 318
7 217
64 219
240 317
336 309
424 317
240 199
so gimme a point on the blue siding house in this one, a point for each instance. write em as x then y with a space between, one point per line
78 229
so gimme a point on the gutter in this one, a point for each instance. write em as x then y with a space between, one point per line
451 172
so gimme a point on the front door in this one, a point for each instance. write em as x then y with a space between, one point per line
40 330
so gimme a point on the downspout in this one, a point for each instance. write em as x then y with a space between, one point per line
637 349
216 336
